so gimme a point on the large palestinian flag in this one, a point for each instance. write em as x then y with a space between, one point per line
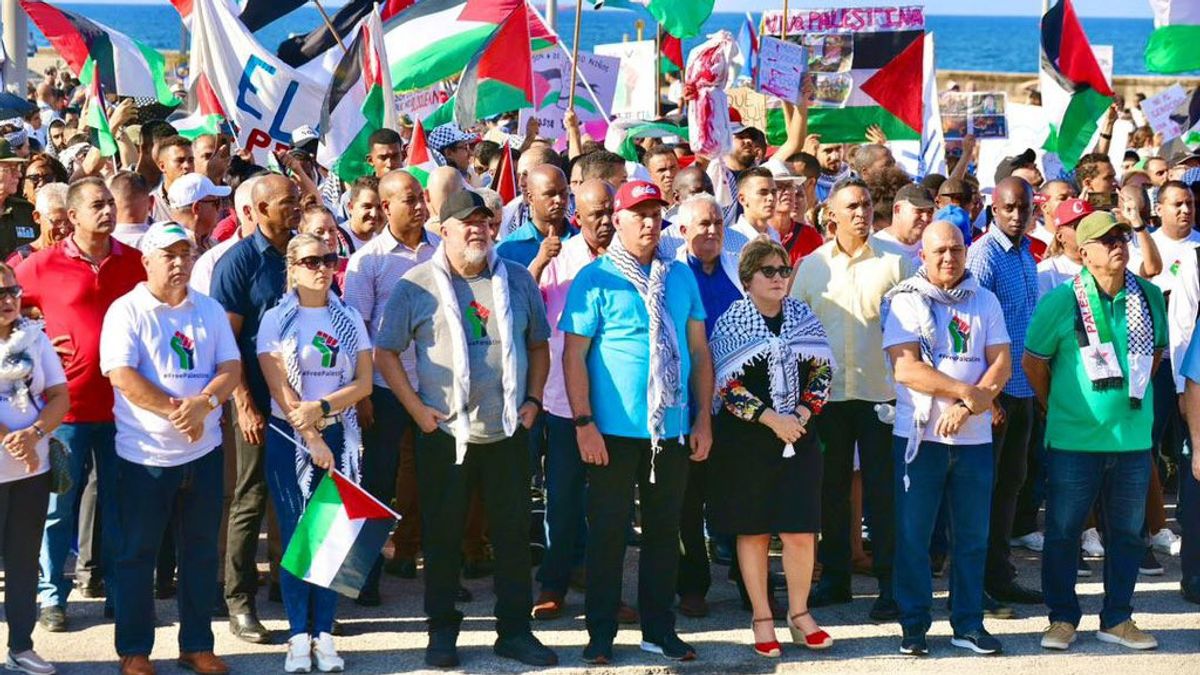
867 68
1172 45
434 39
1069 63
126 67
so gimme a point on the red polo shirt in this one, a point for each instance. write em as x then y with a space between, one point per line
74 295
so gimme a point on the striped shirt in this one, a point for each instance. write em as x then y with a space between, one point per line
1009 271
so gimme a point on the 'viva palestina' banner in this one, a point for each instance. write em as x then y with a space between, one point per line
551 89
845 20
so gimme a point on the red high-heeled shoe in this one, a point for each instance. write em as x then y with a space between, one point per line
817 640
771 649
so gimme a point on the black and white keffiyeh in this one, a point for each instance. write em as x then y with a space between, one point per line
741 337
346 332
1096 342
665 386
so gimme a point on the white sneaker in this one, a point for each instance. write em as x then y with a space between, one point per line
299 654
1166 541
328 660
28 662
1034 541
1091 543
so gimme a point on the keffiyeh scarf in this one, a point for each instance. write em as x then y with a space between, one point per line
1096 345
665 387
919 285
21 374
347 336
459 420
741 337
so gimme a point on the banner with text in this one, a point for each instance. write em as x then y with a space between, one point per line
552 82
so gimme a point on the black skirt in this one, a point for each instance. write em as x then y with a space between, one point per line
753 489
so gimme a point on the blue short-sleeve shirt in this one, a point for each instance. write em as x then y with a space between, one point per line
522 245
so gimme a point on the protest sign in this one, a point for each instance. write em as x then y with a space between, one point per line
552 82
419 104
1104 58
979 114
751 105
781 68
845 20
1159 108
636 86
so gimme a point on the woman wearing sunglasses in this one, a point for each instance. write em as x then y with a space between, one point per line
773 366
314 352
33 400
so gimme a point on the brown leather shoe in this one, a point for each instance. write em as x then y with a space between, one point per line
136 665
627 615
204 663
549 605
693 606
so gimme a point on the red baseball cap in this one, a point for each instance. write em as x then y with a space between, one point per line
1071 211
637 192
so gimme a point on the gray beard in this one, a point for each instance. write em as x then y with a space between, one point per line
475 256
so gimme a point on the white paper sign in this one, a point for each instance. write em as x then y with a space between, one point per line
419 104
1158 111
781 68
552 82
636 79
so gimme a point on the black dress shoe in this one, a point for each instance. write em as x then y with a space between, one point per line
165 590
405 568
478 569
248 628
368 597
1017 594
527 649
53 619
463 595
442 651
598 653
825 595
884 610
91 590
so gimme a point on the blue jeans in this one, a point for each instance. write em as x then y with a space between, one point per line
143 510
301 600
1073 481
963 474
566 504
94 440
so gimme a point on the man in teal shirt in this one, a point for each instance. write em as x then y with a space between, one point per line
1090 351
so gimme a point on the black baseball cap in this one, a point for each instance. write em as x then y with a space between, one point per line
915 194
1010 164
462 204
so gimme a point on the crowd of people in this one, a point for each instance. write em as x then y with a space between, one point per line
799 343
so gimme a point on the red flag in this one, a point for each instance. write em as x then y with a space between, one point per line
505 180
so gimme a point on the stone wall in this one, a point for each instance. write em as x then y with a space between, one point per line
1018 85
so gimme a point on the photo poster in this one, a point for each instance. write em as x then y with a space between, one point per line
782 67
827 36
981 114
636 83
1163 112
551 95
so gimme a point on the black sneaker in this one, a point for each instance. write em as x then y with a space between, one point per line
442 651
527 649
914 645
1016 594
671 647
597 653
53 619
978 641
884 610
1150 566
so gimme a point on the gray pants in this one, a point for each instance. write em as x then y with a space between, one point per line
248 506
22 517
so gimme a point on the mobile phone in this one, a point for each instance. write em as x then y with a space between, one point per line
1102 201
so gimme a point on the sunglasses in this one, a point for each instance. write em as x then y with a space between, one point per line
1112 240
315 262
783 271
13 292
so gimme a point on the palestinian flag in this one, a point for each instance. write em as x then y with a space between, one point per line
125 66
670 53
433 40
339 536
420 161
209 117
1172 45
1068 61
359 103
505 180
499 78
681 18
97 120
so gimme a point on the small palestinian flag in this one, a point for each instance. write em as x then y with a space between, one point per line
500 77
339 536
209 118
505 180
1172 45
359 103
1068 60
97 120
126 67
421 161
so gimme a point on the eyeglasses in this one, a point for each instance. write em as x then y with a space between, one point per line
39 178
13 292
783 271
1112 240
314 262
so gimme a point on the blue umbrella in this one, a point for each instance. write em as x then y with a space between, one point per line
12 105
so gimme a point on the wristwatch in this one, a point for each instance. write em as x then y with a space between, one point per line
213 402
326 409
582 421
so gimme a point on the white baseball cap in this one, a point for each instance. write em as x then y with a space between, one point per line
163 234
192 188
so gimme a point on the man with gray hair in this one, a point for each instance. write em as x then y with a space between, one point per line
50 210
196 204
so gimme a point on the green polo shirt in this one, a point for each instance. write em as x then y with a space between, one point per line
1080 418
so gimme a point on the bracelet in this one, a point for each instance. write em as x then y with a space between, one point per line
964 404
534 400
1107 137
41 433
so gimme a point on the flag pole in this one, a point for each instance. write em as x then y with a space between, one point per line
329 25
658 31
575 53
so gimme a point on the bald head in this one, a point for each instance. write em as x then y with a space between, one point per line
594 211
594 191
941 231
546 192
944 254
443 182
276 204
534 157
395 182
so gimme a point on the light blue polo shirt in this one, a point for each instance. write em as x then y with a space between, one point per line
604 306
522 244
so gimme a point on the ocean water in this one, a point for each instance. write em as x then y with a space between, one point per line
963 43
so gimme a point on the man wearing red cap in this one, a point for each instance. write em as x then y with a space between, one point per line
634 329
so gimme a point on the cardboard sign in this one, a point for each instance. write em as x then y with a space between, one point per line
1159 108
978 114
635 90
781 69
751 105
551 84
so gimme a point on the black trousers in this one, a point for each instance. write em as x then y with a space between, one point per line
842 426
381 458
1010 447
502 471
23 505
246 511
694 575
610 498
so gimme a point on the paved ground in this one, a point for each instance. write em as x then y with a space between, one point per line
390 639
